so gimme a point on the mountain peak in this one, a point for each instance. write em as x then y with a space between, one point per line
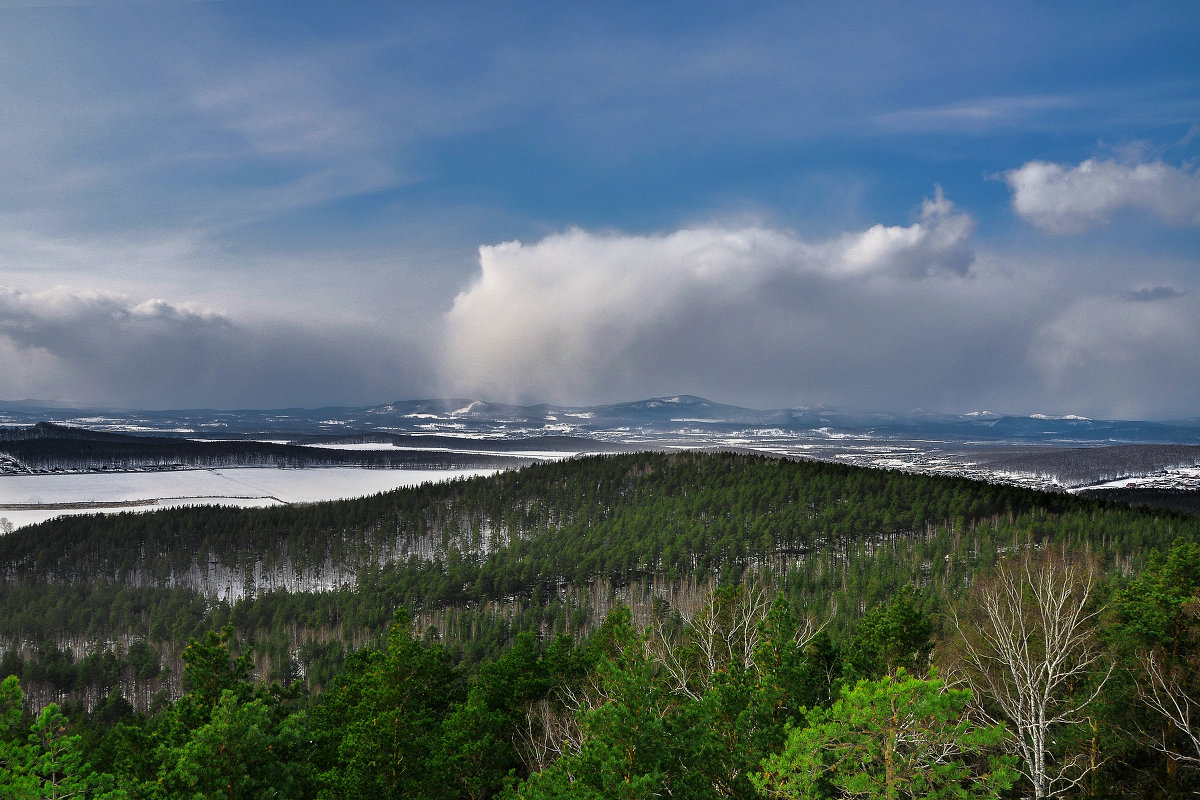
674 400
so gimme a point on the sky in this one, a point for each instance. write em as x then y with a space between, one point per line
872 206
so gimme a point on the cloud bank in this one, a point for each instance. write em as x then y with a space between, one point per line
97 348
1072 200
749 313
890 317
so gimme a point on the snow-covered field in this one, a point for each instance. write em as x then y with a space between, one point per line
1179 478
545 455
49 495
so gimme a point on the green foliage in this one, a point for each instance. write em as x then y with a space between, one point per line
11 711
16 779
895 737
689 712
243 751
1158 608
626 740
892 637
209 669
58 767
48 762
383 717
1155 632
476 749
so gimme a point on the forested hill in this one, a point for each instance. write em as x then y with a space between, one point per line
619 518
1079 466
531 534
656 561
47 447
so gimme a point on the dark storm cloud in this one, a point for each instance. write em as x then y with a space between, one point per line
1150 295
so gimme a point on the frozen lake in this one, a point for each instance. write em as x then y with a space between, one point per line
28 499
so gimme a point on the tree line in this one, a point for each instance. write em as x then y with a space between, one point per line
47 447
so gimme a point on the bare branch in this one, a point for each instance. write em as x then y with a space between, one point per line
1162 691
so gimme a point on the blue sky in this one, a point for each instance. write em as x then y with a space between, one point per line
880 206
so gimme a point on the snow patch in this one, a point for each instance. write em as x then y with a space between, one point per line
372 446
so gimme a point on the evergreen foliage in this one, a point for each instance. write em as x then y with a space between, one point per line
895 737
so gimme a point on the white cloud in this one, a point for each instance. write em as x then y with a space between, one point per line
1067 200
977 114
31 318
888 317
939 243
581 314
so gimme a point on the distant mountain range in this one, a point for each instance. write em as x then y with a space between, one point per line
680 417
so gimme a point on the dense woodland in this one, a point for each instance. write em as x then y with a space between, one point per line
1080 466
1178 499
643 625
553 443
46 447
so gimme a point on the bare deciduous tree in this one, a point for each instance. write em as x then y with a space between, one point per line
551 730
1029 654
723 633
1163 691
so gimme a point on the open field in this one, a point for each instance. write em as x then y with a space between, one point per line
29 499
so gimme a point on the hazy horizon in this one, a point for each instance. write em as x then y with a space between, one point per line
32 403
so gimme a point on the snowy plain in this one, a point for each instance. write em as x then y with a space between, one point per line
29 499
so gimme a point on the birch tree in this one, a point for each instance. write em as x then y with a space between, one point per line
1030 656
722 635
1162 689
